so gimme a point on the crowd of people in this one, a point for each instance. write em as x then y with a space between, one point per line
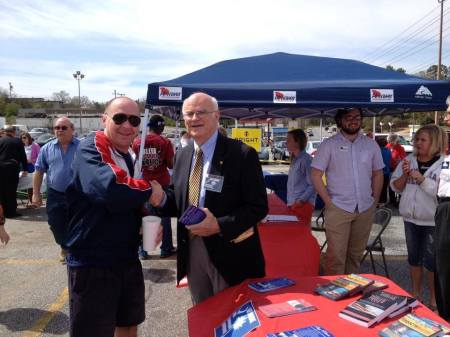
97 196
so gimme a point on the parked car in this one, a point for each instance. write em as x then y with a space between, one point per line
36 132
44 139
312 146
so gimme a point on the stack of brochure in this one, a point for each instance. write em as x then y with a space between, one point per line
344 286
286 308
309 331
412 325
372 308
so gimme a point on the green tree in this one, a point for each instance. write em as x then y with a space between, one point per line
11 109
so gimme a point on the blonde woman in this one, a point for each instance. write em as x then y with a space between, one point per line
416 179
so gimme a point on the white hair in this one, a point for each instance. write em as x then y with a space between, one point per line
211 98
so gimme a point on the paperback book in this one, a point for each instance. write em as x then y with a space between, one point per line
375 286
411 302
343 286
286 308
239 323
372 308
309 331
270 285
411 325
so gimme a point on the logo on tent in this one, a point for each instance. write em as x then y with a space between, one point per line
285 97
382 95
424 93
170 93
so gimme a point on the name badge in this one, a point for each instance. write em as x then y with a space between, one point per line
344 148
445 165
214 183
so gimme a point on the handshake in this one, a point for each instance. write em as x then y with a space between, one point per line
158 194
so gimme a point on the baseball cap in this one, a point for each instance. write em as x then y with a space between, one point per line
156 121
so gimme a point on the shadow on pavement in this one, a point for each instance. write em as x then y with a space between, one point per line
24 319
159 275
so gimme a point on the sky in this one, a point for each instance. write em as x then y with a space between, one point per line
124 45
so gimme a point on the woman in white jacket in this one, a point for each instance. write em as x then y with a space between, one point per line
416 179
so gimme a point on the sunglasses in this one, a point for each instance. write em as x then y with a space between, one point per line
63 127
121 118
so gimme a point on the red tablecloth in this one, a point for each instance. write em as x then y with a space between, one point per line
289 247
204 317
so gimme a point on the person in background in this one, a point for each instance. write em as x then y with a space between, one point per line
353 166
301 196
4 237
32 152
397 154
416 179
55 159
156 162
442 235
12 160
386 154
185 139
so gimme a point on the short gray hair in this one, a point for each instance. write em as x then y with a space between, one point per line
212 99
392 138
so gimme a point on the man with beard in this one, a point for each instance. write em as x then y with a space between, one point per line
353 166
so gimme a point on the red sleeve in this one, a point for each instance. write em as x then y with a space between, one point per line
135 145
169 151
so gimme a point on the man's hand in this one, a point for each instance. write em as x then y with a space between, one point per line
157 194
4 237
36 200
207 227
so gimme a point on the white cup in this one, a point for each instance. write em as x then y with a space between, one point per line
150 228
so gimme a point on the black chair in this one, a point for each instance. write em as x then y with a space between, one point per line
320 227
382 217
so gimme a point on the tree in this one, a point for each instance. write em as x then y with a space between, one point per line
11 109
400 70
62 96
85 102
431 72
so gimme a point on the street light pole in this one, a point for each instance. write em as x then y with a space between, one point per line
10 90
438 75
79 76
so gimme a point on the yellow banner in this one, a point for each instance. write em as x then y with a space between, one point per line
251 137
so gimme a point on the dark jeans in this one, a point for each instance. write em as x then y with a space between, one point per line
420 245
57 215
384 193
9 178
442 274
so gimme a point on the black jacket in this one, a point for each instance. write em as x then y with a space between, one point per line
11 148
240 206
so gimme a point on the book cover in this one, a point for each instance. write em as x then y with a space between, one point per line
272 284
286 308
411 302
239 323
343 286
372 308
410 325
310 331
192 215
375 286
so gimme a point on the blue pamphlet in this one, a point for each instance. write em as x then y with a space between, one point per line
309 331
240 322
192 215
269 285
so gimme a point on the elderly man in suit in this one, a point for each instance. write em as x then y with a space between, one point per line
224 177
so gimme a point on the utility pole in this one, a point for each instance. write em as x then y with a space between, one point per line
117 94
438 76
10 90
79 76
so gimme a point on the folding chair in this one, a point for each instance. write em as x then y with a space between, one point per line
320 227
382 217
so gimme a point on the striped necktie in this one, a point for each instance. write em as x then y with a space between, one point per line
195 180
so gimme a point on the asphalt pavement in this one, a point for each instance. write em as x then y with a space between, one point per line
33 284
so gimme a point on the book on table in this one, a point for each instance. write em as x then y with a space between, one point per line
239 323
309 331
375 286
343 286
411 302
272 284
290 307
411 325
372 308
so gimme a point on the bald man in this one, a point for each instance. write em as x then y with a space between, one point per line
55 158
106 286
224 249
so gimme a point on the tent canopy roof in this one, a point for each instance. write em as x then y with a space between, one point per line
287 85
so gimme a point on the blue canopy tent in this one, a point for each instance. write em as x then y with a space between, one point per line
284 85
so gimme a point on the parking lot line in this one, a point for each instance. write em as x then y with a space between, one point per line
38 328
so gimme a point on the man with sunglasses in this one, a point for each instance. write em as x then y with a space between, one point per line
106 285
223 177
55 159
353 166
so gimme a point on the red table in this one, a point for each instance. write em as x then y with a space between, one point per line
289 247
204 317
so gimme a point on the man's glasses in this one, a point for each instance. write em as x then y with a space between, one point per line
120 118
62 127
200 114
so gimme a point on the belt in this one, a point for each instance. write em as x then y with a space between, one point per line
443 199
